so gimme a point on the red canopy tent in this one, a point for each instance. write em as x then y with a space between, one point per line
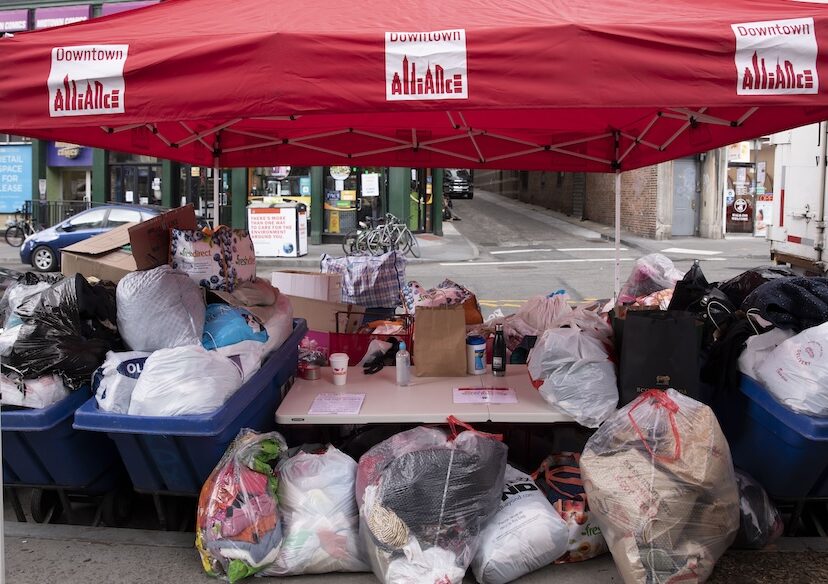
551 85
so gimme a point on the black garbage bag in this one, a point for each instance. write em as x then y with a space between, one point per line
690 289
760 523
739 287
695 294
67 329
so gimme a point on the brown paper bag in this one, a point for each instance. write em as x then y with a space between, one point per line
440 341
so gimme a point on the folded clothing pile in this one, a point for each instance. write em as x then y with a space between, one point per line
319 515
238 524
424 497
660 482
446 293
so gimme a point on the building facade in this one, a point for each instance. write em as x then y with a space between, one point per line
60 178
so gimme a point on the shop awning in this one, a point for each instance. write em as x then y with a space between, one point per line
546 85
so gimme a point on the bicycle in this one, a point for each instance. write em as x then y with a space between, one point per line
17 231
382 236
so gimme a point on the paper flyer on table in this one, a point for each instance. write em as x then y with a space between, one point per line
342 404
484 395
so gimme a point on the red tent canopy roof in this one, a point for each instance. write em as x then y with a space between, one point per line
472 83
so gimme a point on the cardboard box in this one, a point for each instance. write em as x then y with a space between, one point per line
322 315
327 287
127 248
150 240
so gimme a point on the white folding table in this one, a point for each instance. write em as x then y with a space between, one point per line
426 400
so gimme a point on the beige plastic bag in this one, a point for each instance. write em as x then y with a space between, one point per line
660 483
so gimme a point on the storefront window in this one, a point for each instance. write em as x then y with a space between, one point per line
196 188
135 183
420 199
352 194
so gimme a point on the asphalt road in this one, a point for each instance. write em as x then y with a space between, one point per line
525 250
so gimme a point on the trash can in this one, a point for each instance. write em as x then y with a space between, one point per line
174 455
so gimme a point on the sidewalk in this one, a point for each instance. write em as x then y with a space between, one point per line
78 555
451 247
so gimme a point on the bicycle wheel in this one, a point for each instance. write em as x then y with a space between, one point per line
15 236
349 244
409 240
375 241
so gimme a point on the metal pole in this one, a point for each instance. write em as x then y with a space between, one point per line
2 520
617 234
216 207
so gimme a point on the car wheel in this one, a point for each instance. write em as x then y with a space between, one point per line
470 196
44 260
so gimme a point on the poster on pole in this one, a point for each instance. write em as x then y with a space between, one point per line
370 185
764 214
15 177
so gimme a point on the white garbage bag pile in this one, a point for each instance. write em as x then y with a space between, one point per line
114 381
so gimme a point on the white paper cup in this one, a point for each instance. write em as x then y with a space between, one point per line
339 367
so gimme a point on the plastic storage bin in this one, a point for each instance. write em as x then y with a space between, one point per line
174 455
785 451
41 449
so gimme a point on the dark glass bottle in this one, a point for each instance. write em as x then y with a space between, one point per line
499 352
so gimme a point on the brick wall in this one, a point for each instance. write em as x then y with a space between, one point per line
552 190
639 195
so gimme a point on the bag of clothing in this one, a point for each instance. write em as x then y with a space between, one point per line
760 523
573 373
31 393
796 372
651 273
114 381
446 293
228 325
238 524
160 309
319 515
370 281
423 499
739 287
791 303
184 381
559 477
660 483
524 535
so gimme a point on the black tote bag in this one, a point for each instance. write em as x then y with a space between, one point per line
661 350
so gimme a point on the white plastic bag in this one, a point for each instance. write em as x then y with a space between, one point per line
539 312
575 375
159 309
247 356
184 380
660 481
650 273
524 535
319 515
115 380
279 325
796 372
758 348
32 393
8 338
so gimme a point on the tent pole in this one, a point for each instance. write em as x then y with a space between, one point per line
617 234
216 207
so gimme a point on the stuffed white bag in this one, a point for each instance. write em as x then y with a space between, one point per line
32 393
573 373
796 372
524 535
184 380
758 348
159 309
114 381
319 515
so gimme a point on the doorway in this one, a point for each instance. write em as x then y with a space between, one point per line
686 194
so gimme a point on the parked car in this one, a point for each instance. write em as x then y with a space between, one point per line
42 250
457 183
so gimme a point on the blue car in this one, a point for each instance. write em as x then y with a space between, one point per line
42 250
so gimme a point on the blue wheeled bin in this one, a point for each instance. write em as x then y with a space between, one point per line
174 455
42 450
787 452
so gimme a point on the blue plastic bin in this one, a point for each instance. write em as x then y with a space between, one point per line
41 449
175 454
785 451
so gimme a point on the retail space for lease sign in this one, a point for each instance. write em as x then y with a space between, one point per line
15 177
278 232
